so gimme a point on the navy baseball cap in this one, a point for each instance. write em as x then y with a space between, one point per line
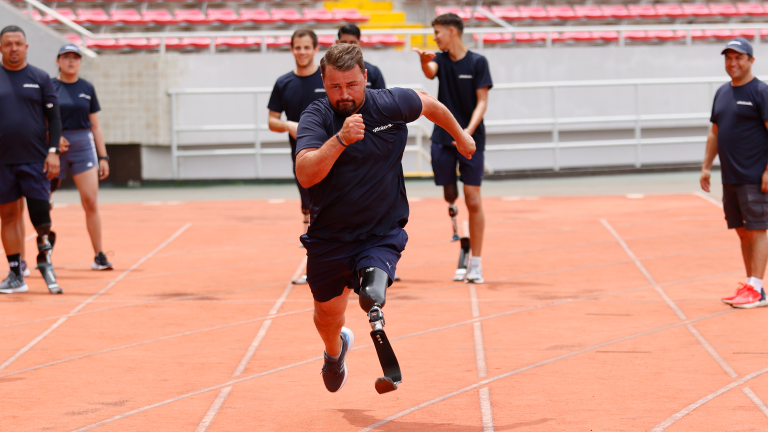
70 48
740 45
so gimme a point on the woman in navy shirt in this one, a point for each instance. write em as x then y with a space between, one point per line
86 156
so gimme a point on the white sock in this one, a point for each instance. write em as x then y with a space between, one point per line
476 261
756 283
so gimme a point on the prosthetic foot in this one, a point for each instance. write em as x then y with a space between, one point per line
453 211
45 249
373 296
461 271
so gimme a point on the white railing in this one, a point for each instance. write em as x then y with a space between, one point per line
257 127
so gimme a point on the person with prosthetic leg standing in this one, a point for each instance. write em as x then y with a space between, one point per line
28 158
349 155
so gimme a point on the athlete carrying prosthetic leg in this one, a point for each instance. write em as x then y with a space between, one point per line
349 155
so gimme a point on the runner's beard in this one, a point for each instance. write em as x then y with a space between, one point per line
347 107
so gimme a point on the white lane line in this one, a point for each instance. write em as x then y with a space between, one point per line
205 423
708 198
529 367
486 409
687 410
702 341
85 303
756 400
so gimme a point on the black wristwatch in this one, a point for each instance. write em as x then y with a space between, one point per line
106 158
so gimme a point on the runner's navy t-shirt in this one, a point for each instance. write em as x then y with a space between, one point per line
77 101
375 78
23 131
363 195
740 114
293 94
457 90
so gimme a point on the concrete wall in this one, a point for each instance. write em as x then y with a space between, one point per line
136 110
44 43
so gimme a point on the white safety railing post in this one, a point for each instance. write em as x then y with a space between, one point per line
638 149
174 140
555 130
258 135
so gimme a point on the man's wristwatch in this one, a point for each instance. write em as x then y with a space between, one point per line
106 158
53 150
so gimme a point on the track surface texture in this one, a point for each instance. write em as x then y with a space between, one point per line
599 313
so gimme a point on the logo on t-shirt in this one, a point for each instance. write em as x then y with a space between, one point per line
465 76
381 128
31 86
748 103
83 95
320 90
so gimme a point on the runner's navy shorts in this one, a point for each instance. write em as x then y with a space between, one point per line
444 161
26 180
81 155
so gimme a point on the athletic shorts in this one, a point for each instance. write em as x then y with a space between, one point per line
333 266
745 205
444 160
81 155
26 180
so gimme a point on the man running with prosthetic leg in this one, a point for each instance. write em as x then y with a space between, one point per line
28 160
349 156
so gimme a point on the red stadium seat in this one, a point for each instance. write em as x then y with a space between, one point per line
140 43
616 11
557 37
745 33
607 36
104 44
187 42
580 36
35 14
233 42
74 38
494 38
94 16
530 37
699 10
191 16
534 12
385 40
763 33
667 35
290 16
320 16
469 12
637 36
159 17
279 42
258 16
561 12
671 11
508 13
326 40
589 12
350 15
128 17
65 12
719 34
643 11
442 10
751 9
224 16
724 9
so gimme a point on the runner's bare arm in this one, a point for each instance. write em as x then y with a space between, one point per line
427 65
101 146
313 164
278 125
479 112
438 114
709 158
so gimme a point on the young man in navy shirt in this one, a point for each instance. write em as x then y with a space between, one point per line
463 88
350 33
739 135
28 158
292 94
349 155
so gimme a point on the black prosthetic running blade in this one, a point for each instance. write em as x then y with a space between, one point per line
389 364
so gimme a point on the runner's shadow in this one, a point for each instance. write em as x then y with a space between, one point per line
360 418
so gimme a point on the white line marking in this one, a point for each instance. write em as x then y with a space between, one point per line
79 307
756 400
205 423
275 201
704 343
708 198
687 410
486 410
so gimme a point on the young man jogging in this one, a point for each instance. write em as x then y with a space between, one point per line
739 135
350 150
463 88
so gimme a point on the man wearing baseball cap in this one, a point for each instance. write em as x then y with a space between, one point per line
739 135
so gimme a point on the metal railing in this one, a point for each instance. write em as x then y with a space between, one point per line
257 127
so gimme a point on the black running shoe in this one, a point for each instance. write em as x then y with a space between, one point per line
100 263
335 371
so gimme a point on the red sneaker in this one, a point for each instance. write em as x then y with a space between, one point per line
742 287
749 299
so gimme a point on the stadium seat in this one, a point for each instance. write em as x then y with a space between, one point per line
187 42
289 16
533 12
607 36
616 11
699 10
589 12
350 15
191 16
724 9
494 38
94 16
442 10
667 35
530 37
763 33
470 12
643 11
128 17
104 44
140 43
751 9
224 16
74 38
234 42
582 36
385 40
557 37
257 16
561 12
326 40
279 42
671 10
65 12
35 14
159 17
745 33
637 36
320 16
507 13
